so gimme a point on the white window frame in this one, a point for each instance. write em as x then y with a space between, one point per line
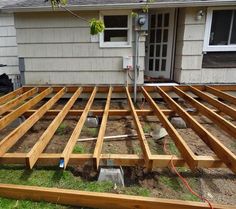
129 28
213 48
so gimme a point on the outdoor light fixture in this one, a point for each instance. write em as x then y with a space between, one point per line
199 15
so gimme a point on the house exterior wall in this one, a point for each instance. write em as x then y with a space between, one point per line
8 47
58 49
189 52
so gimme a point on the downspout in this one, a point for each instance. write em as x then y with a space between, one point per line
136 64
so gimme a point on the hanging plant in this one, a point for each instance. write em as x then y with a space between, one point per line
96 26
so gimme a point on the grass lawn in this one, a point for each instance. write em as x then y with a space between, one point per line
53 177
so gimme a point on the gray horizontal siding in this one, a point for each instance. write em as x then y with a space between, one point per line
58 49
8 46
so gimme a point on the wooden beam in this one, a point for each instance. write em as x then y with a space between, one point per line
17 133
227 126
214 102
43 141
184 149
10 95
128 160
220 150
99 143
221 94
6 120
18 100
97 200
141 136
75 135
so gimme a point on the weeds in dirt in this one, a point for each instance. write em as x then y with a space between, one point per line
79 149
62 129
170 182
173 149
147 128
93 132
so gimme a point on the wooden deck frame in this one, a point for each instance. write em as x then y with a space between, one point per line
225 158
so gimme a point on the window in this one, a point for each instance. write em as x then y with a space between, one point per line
117 31
220 34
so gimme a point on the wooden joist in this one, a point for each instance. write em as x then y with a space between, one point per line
220 150
184 149
18 100
10 95
141 136
101 134
6 120
97 200
16 134
220 94
76 133
43 141
214 102
227 126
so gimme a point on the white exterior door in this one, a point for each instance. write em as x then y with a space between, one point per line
160 44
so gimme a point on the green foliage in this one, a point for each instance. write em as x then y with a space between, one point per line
96 26
79 149
62 129
147 128
91 132
170 182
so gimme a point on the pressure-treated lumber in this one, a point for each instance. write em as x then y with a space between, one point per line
223 95
219 105
227 126
43 141
6 120
75 135
16 134
220 150
141 136
184 149
97 200
10 95
131 160
18 100
101 134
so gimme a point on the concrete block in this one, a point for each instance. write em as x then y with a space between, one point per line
92 122
178 122
115 175
160 133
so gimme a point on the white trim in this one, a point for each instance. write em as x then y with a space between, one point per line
211 48
127 43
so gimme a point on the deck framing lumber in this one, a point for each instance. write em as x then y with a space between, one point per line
43 141
216 146
33 95
75 135
184 149
18 100
227 126
6 120
16 134
101 134
95 199
223 95
11 95
141 136
214 102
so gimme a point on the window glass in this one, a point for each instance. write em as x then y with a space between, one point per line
233 35
220 28
115 36
117 21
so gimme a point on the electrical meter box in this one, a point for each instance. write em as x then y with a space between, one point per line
141 22
127 62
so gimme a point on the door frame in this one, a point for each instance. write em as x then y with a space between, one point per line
170 48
